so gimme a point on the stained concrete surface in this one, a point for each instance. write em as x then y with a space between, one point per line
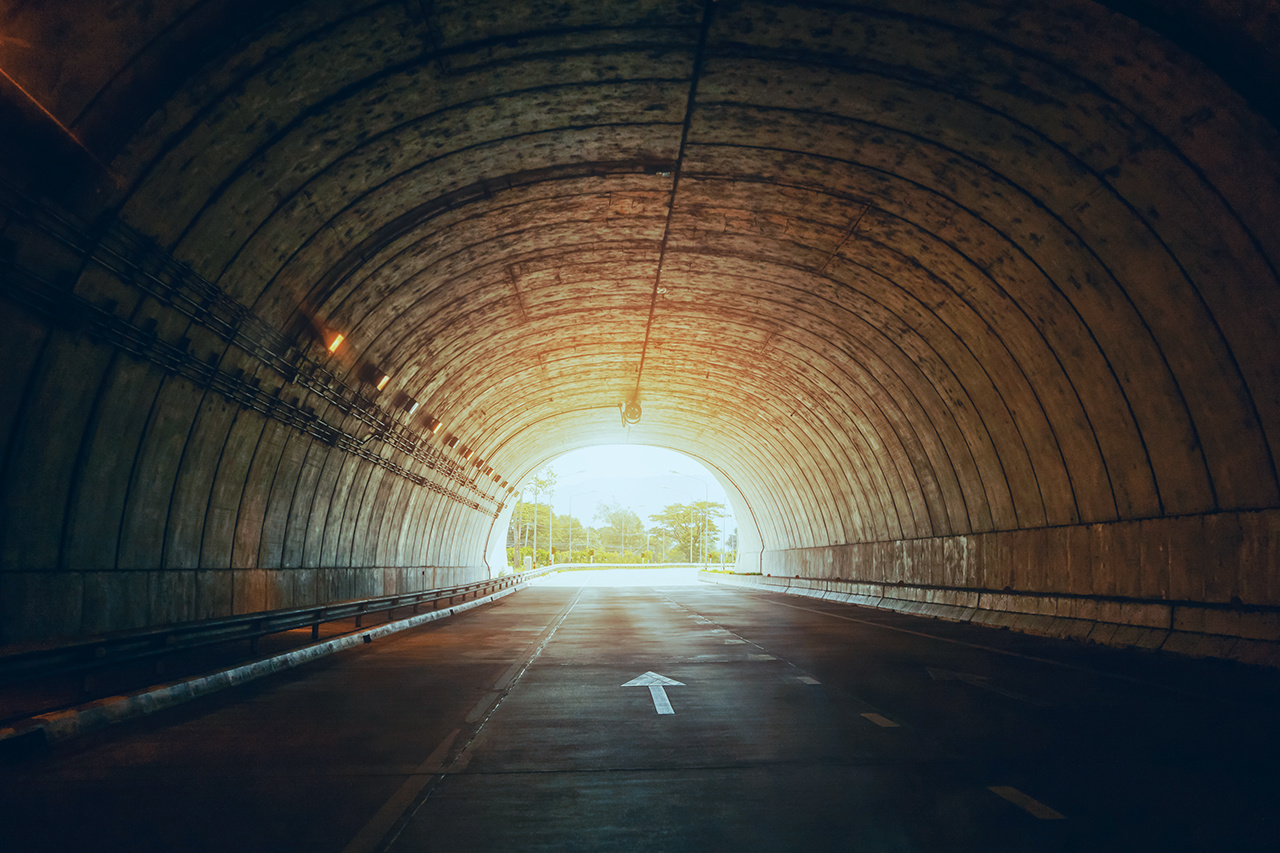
507 728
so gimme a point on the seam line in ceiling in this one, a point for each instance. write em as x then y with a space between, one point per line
690 104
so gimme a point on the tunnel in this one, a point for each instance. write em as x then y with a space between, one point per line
972 306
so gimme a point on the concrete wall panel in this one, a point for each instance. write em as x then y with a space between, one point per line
317 520
219 531
173 597
96 515
43 451
255 497
194 484
285 488
116 601
155 471
301 502
20 349
336 508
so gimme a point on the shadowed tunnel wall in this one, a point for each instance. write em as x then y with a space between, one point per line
975 302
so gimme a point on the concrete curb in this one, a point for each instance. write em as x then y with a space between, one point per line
1153 626
60 725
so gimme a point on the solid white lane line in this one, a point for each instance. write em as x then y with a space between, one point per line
374 834
882 721
1026 803
483 705
371 835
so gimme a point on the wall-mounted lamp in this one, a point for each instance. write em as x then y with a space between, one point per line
433 424
336 342
406 402
451 441
374 375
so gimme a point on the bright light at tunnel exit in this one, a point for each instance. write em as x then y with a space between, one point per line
644 479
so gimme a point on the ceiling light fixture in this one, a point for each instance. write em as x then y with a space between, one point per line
630 412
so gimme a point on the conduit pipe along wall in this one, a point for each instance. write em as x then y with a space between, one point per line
965 298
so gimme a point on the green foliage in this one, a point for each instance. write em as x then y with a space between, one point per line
691 530
621 528
620 536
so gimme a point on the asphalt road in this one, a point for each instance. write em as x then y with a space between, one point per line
795 725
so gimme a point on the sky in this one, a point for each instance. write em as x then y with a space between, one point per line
635 476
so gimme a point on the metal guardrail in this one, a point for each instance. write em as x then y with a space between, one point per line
154 643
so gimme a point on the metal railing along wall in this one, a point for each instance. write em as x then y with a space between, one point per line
155 643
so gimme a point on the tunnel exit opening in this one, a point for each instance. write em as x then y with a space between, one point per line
613 505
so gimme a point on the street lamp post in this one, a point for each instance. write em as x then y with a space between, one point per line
525 530
571 497
705 496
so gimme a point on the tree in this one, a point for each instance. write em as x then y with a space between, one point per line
690 525
619 523
543 481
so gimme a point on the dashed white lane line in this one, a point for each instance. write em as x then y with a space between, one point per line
1028 804
882 721
733 642
807 679
761 657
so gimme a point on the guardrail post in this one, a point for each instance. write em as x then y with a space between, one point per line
315 629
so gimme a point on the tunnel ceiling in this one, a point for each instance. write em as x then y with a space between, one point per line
895 269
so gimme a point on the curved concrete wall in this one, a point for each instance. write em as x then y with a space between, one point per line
901 271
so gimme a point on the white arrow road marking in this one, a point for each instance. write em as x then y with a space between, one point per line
657 685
